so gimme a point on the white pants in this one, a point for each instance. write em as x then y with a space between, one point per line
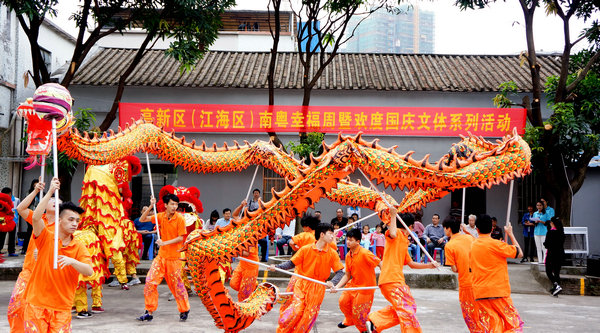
539 246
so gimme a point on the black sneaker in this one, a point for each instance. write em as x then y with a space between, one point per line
145 317
524 260
557 290
183 316
341 325
84 315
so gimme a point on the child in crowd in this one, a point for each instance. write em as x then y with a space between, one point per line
491 286
378 238
360 272
366 237
555 239
403 309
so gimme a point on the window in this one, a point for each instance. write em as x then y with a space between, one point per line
271 180
47 57
162 174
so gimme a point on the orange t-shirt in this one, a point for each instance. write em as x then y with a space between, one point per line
253 255
51 288
488 267
457 254
29 261
317 264
360 265
395 256
169 229
304 238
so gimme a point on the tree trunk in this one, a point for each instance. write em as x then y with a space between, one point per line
564 202
272 62
65 190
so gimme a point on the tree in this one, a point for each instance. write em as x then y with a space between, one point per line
192 25
563 145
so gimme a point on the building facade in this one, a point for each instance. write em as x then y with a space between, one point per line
411 31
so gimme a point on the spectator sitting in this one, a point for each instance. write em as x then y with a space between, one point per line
470 228
366 237
225 220
339 218
209 225
284 235
418 228
435 235
145 229
496 230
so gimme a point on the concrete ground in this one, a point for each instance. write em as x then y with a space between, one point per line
438 310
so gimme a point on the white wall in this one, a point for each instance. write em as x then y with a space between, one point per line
226 41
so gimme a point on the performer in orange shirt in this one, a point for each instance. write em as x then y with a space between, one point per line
244 277
306 237
391 280
315 261
491 286
457 257
166 264
360 272
16 305
50 292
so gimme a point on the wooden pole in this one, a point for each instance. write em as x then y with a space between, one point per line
56 209
152 191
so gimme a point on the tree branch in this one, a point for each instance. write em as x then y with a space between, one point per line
583 72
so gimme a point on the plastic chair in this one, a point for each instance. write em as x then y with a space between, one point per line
342 250
439 249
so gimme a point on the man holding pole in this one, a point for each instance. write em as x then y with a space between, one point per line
50 292
171 227
16 305
313 261
457 257
391 280
360 272
491 287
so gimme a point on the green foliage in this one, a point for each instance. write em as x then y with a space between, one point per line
576 123
192 24
312 144
503 98
84 121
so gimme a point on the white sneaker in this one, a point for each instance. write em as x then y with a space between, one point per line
114 283
557 290
133 282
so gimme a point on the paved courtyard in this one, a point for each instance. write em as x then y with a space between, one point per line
438 310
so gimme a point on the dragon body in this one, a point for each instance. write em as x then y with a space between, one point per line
471 162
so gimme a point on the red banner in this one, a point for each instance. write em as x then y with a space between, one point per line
405 121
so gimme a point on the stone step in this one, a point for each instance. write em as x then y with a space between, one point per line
571 284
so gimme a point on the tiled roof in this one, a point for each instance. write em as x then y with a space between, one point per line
348 71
